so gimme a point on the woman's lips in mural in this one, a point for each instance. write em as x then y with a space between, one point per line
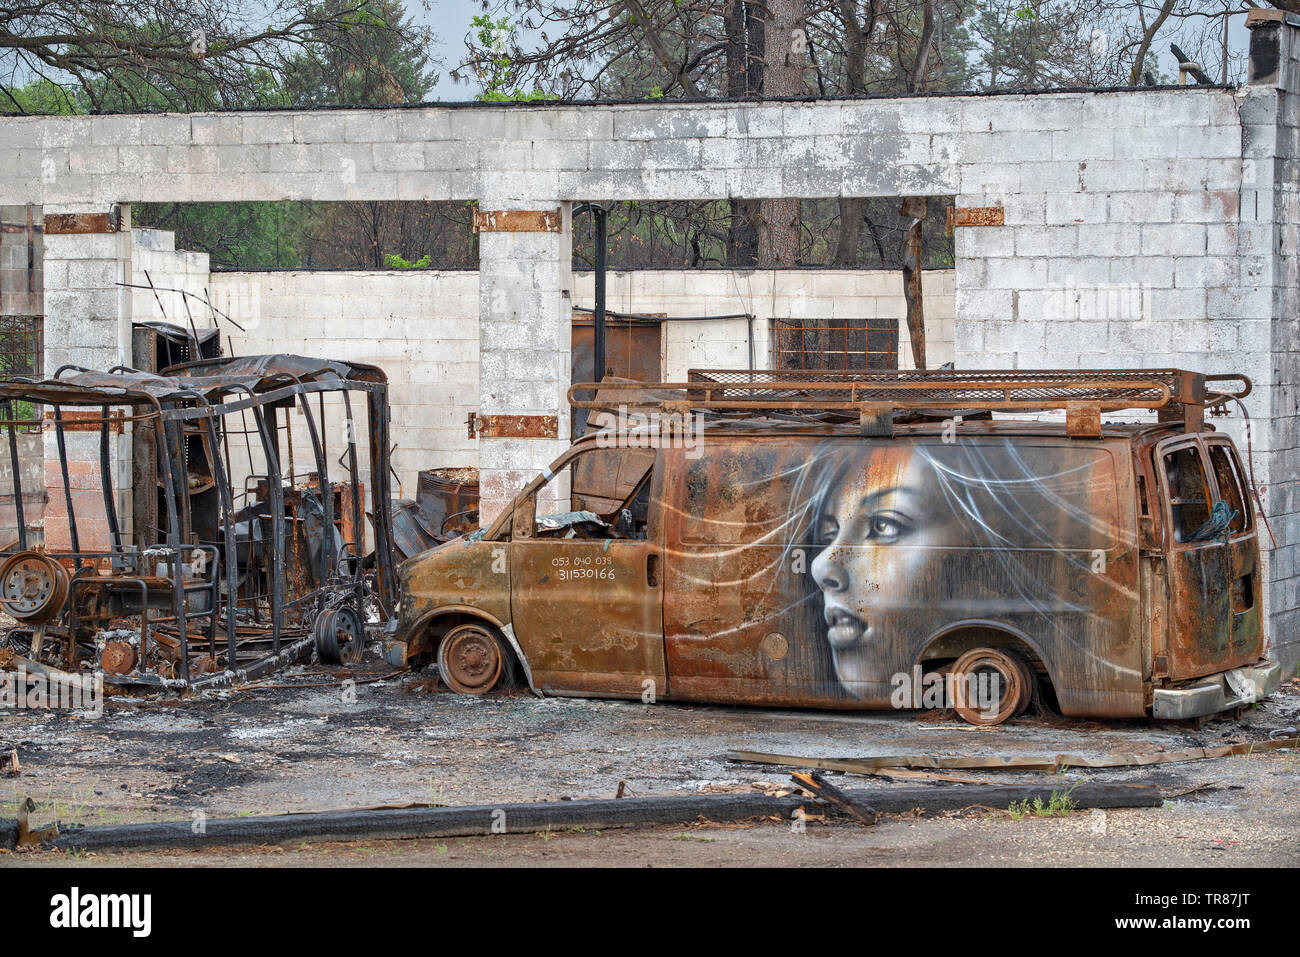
846 629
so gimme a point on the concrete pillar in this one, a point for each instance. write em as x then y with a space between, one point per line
87 323
1270 203
525 256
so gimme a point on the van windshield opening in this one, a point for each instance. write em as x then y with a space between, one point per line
609 496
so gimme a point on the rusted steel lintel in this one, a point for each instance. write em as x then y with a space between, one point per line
74 421
514 426
975 216
517 220
63 224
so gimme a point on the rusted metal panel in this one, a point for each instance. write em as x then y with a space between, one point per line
514 426
1083 419
517 220
62 224
75 421
975 216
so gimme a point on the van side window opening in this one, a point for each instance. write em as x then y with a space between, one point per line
609 496
1228 476
1188 493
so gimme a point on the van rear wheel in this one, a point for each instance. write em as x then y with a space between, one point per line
979 673
471 659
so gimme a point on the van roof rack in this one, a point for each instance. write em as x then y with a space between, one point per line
1175 394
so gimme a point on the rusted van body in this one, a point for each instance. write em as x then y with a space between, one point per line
812 563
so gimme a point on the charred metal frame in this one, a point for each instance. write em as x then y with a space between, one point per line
201 394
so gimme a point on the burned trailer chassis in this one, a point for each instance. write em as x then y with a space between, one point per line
202 393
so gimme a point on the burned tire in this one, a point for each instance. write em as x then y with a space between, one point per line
974 671
472 658
340 636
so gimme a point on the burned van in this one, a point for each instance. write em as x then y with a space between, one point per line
871 540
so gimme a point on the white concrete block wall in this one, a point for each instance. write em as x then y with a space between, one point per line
155 259
420 327
87 324
768 295
1270 199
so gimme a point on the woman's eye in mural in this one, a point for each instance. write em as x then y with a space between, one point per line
888 527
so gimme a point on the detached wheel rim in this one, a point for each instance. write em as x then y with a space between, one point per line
340 636
973 671
470 660
33 587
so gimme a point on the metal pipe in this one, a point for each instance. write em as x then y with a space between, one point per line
106 483
67 485
15 465
599 218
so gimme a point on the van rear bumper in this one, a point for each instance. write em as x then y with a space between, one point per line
1215 693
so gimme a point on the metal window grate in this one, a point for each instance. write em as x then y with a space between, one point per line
22 353
831 344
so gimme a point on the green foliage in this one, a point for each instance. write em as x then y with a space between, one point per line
1058 804
395 261
44 97
383 62
497 72
234 235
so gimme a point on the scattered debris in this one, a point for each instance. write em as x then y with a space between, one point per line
1012 762
815 784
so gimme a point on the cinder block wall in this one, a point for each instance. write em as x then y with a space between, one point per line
22 288
1270 201
769 294
421 327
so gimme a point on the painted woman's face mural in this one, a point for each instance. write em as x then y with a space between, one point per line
870 522
913 537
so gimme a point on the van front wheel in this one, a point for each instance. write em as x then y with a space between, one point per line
470 659
990 685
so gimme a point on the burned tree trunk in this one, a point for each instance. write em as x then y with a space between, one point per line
786 51
914 207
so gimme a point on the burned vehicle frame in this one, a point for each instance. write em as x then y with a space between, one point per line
809 538
225 585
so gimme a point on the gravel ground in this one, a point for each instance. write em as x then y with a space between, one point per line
270 750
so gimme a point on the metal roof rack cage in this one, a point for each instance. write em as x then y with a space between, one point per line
876 396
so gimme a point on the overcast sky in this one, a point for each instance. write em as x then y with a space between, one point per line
449 19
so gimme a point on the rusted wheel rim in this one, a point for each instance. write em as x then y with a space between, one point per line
340 636
117 658
469 660
33 587
983 664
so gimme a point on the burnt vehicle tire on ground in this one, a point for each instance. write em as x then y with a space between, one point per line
340 636
1015 685
473 659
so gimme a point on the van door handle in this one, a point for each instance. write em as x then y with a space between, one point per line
652 569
